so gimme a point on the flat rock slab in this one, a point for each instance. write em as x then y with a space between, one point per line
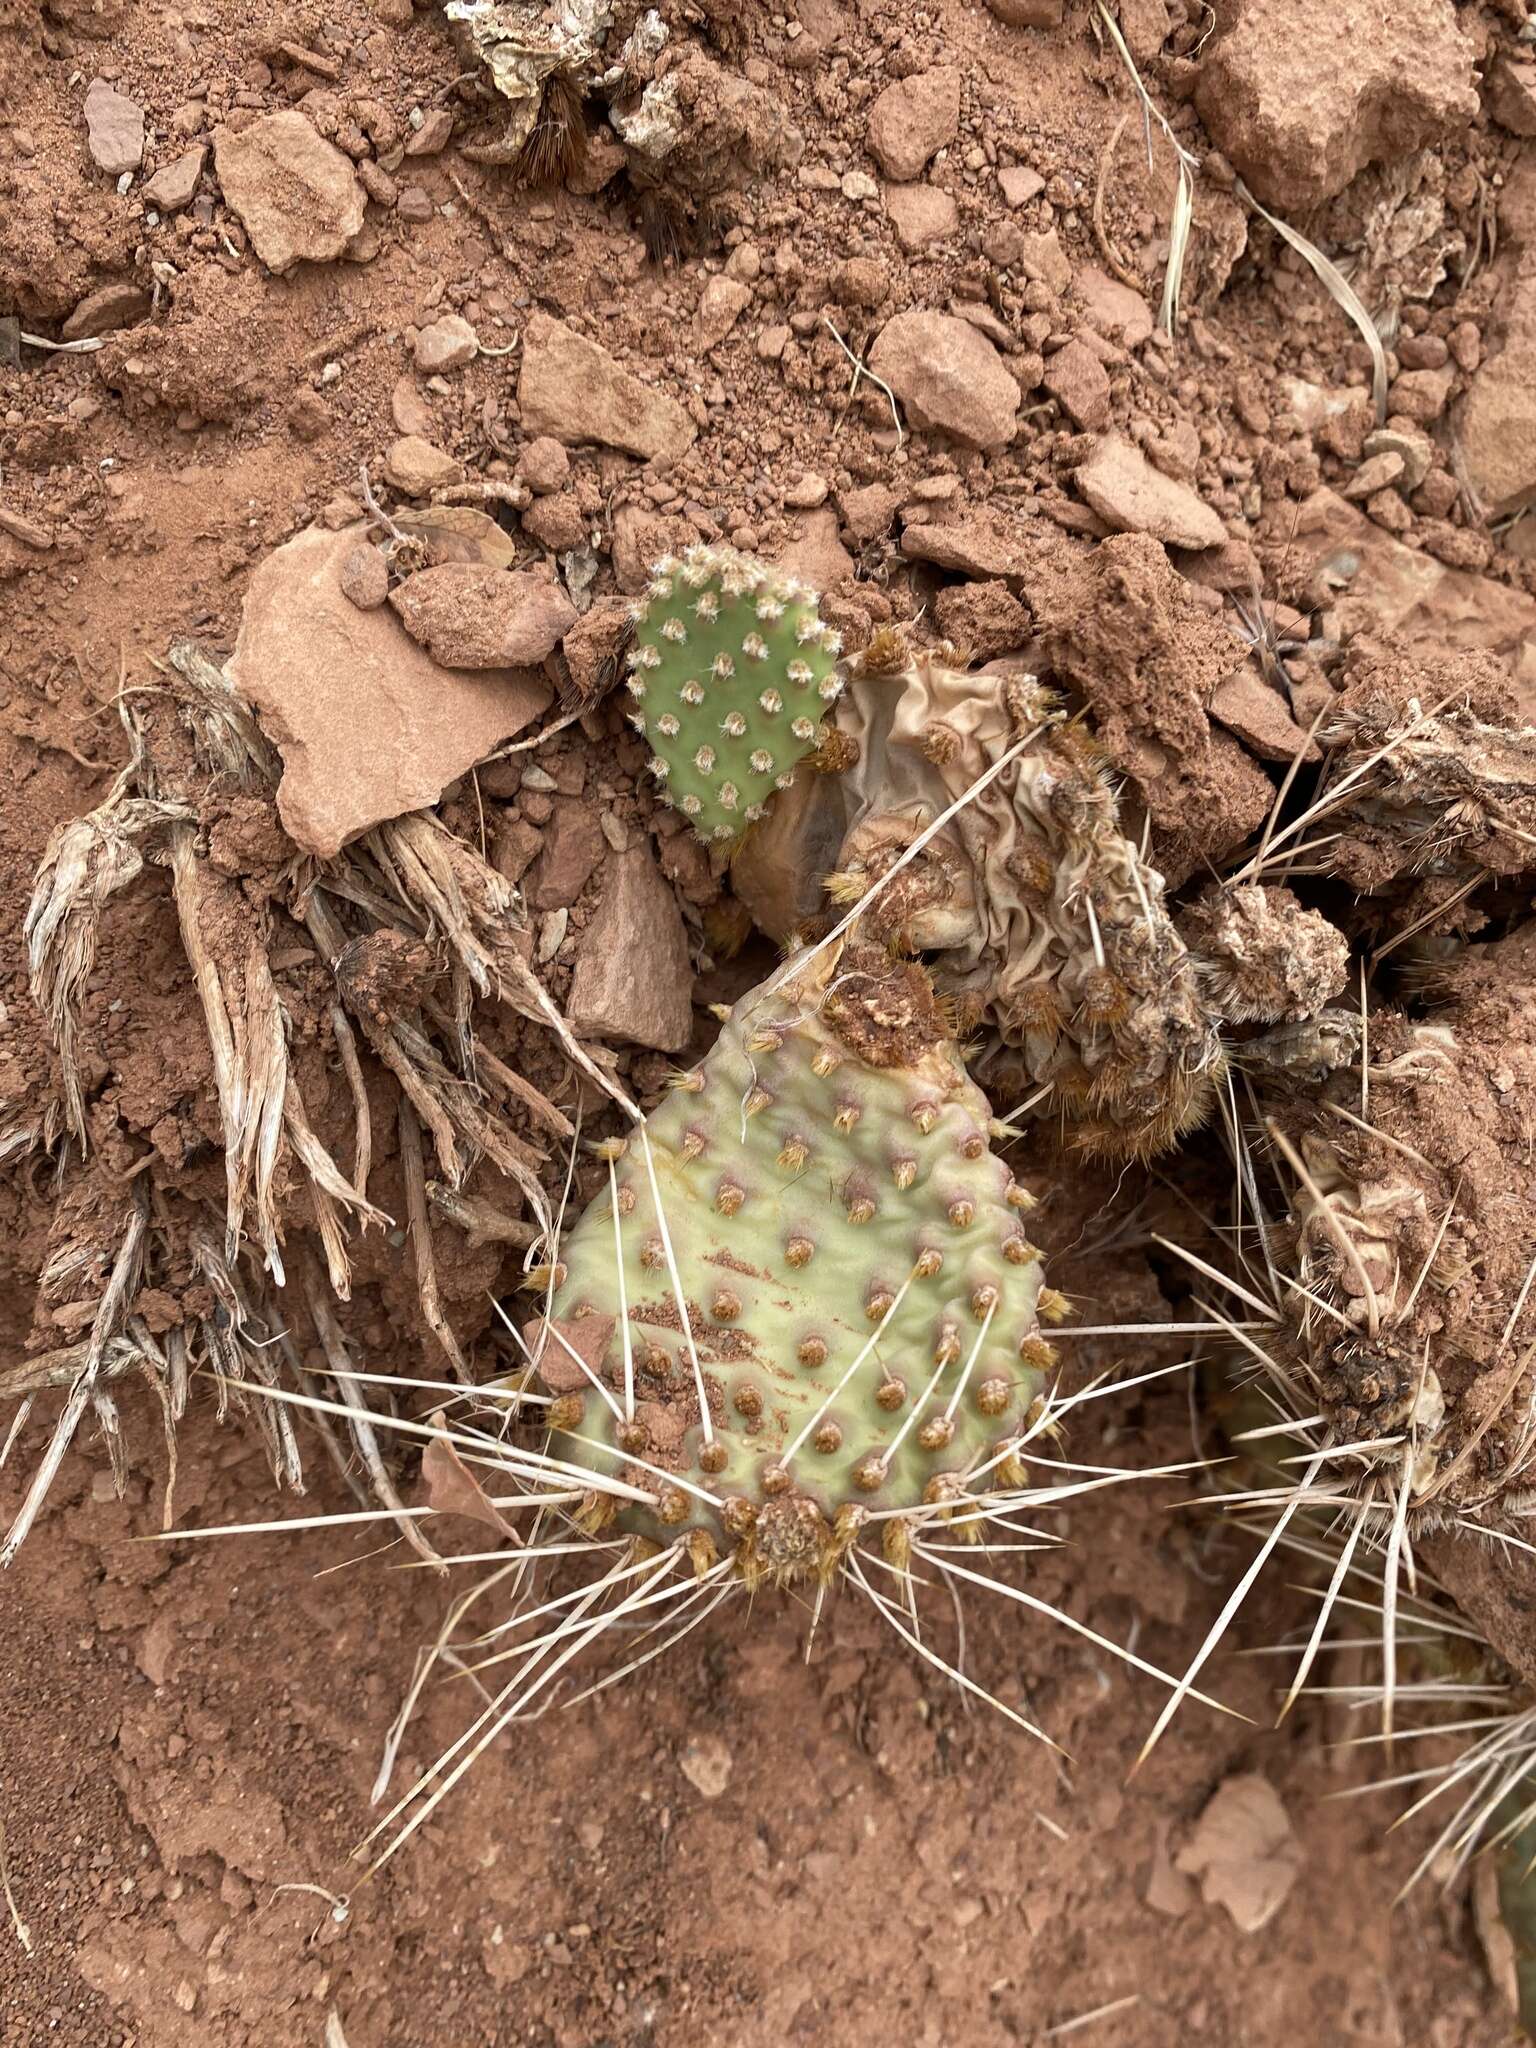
1300 95
1498 415
1383 587
105 311
368 725
570 388
947 376
633 979
174 185
297 196
991 541
1131 496
114 128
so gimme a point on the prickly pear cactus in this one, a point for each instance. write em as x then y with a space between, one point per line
730 671
1041 913
832 1312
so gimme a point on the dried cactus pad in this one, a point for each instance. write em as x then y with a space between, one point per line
860 1297
730 672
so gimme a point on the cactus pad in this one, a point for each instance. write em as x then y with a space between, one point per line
730 672
861 1299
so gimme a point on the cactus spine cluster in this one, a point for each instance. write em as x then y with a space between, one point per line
730 672
833 1312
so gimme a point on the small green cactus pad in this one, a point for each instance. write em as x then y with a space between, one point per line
730 672
860 1297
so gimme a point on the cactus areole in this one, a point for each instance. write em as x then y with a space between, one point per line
830 1317
729 674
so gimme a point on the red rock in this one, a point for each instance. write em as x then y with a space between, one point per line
913 118
1375 473
114 128
1043 260
920 214
544 465
572 846
409 410
432 137
1255 710
365 576
104 311
1132 497
1029 13
445 344
1300 95
1113 309
1414 448
1077 380
1511 94
1497 423
1420 395
1019 184
633 980
416 467
948 377
470 617
572 389
368 725
721 304
514 844
175 184
297 196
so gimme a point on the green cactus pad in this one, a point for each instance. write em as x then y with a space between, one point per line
860 1295
730 671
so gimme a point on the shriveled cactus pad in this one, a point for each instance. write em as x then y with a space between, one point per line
836 1266
730 672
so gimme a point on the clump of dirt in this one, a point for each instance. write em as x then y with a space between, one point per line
1213 543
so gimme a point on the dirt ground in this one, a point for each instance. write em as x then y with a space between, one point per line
743 1843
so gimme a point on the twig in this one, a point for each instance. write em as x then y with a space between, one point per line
527 746
1107 249
862 369
23 1931
375 509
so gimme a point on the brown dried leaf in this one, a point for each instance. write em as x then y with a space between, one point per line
450 1488
460 533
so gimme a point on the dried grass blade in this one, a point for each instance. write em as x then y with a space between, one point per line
1339 289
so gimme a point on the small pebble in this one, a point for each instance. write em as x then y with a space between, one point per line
365 577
